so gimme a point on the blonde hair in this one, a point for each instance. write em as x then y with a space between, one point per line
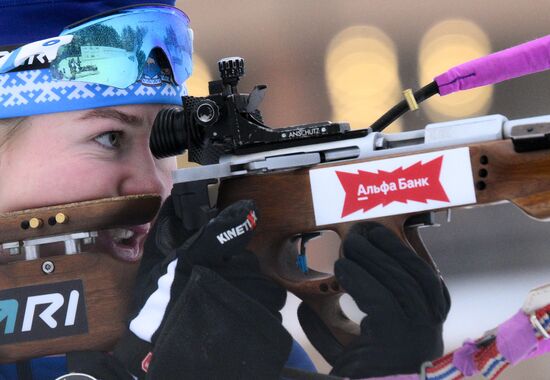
8 128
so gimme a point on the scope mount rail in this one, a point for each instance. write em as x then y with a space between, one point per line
526 134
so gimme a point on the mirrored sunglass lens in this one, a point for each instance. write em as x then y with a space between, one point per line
115 51
103 53
101 64
170 34
178 46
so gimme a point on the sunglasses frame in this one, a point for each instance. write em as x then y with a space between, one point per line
24 56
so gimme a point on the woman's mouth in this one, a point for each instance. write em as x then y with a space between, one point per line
125 244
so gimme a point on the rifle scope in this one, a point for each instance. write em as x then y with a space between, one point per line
226 122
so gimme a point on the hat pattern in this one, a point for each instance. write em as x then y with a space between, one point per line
31 92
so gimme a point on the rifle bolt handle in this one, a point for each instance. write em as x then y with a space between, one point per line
61 218
36 223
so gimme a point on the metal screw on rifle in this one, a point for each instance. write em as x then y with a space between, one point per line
35 223
48 267
61 218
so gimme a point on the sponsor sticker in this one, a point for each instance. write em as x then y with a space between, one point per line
42 311
248 225
392 186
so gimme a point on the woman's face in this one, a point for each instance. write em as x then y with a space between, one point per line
83 155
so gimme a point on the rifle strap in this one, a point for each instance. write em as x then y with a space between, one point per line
525 335
517 339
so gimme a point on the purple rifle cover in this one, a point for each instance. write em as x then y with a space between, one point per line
527 58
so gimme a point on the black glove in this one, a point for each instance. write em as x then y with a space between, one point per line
165 235
405 300
204 308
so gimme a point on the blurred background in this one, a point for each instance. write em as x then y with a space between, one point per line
349 60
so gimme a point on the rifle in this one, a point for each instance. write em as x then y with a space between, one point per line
506 160
319 177
87 294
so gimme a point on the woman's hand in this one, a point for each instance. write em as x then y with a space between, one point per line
405 300
204 308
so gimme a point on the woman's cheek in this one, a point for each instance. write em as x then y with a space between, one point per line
85 181
166 169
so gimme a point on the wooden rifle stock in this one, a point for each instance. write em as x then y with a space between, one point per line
107 282
286 210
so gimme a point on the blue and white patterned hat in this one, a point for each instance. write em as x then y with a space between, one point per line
34 91
24 21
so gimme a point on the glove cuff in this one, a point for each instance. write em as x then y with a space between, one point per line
134 353
212 314
385 358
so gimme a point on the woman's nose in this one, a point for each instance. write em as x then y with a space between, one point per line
146 175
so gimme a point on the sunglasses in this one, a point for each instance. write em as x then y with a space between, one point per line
116 48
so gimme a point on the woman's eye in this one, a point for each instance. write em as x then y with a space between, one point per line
110 140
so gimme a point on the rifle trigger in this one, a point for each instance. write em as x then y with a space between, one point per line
301 260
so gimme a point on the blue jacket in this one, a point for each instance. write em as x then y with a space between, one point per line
51 368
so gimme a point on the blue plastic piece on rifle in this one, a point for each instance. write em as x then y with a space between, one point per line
301 261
